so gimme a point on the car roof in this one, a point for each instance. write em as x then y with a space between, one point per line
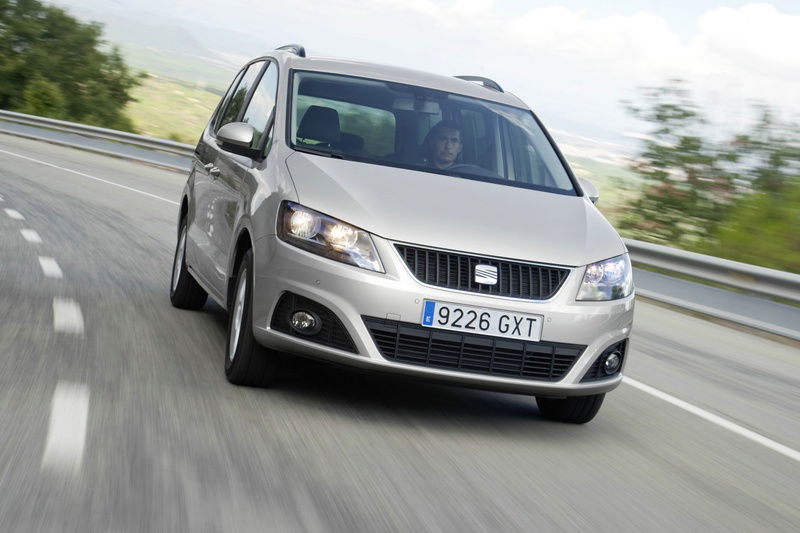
407 76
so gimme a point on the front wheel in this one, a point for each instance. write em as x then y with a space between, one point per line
246 361
572 410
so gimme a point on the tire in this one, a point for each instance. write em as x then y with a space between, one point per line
572 410
246 362
184 291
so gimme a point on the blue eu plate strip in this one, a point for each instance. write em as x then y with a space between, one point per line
427 315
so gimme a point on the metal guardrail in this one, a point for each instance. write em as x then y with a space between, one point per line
141 141
751 278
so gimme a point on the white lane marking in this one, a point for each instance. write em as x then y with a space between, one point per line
67 316
50 268
31 236
13 213
66 435
715 419
90 177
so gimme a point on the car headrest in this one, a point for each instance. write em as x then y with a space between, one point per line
320 124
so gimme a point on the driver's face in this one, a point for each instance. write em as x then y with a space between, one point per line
446 147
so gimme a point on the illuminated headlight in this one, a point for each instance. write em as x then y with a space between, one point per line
611 279
303 224
327 236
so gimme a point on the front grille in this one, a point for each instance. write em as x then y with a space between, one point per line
413 344
457 271
595 371
332 333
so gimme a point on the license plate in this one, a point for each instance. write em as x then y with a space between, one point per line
481 321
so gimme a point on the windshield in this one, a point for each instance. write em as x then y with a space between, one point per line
393 124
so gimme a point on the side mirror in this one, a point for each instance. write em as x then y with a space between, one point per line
589 189
237 137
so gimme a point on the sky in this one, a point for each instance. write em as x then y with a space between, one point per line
572 61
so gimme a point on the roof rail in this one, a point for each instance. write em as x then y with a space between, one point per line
297 49
486 82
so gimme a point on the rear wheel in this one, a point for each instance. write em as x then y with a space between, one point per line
246 361
572 410
184 291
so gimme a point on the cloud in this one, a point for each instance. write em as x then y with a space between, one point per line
755 36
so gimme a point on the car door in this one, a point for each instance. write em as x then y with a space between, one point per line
235 185
197 241
216 191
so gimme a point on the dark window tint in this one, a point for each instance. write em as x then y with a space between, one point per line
234 105
262 104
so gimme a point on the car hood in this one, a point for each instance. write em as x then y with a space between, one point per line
456 214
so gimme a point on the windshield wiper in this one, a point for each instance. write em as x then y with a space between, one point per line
315 151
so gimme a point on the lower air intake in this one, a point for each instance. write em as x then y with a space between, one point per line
412 344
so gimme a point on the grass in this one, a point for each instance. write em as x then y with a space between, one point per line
170 109
194 70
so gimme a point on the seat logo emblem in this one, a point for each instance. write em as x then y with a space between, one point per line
486 274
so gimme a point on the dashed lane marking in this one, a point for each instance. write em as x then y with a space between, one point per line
715 419
13 213
67 316
31 236
89 176
66 434
50 268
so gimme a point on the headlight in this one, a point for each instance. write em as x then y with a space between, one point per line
327 236
611 279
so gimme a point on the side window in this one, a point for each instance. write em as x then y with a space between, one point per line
526 163
227 98
262 104
477 139
234 105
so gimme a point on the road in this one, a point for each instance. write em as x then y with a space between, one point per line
116 415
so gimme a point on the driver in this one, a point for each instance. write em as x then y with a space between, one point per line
443 145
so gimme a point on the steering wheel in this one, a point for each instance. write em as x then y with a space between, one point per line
462 166
474 170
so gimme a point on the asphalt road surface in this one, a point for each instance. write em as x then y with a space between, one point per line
115 414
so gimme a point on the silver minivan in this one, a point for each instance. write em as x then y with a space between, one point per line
391 219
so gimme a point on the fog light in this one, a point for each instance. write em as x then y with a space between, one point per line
611 363
305 322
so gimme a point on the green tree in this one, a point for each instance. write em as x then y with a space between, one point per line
738 199
688 186
769 153
43 98
763 230
40 43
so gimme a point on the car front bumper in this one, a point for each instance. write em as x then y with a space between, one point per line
396 296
